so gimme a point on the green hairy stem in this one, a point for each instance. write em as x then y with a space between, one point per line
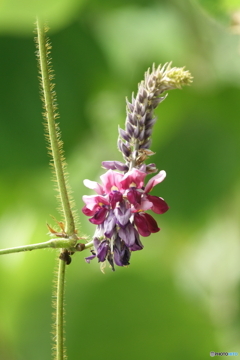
54 244
58 163
59 351
53 136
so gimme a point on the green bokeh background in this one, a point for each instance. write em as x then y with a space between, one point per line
179 298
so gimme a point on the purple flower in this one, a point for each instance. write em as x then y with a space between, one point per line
121 253
119 211
102 250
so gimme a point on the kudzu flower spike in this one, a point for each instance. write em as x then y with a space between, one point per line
119 208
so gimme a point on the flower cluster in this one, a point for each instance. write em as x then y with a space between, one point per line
119 208
119 211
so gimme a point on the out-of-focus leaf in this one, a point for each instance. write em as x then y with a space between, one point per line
133 35
17 17
222 10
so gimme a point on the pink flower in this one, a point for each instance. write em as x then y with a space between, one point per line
133 178
149 202
131 185
111 180
93 202
118 210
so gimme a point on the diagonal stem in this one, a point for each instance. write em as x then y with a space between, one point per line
50 115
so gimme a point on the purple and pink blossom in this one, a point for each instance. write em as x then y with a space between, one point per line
119 211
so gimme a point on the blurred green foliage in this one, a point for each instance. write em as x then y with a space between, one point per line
180 296
221 10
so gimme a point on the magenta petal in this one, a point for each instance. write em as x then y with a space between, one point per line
145 224
155 180
141 224
134 196
114 198
94 200
159 205
87 211
145 204
133 178
152 224
99 216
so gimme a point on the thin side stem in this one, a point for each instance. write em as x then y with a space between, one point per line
54 243
60 311
48 95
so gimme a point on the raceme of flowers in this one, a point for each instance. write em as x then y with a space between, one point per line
119 211
119 208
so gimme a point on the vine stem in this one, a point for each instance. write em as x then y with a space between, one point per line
53 243
60 311
50 114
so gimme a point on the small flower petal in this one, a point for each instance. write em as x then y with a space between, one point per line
159 205
99 216
122 214
137 245
88 212
152 224
94 186
109 224
127 234
155 180
145 204
145 224
133 178
89 258
110 180
102 250
141 224
93 201
114 198
113 165
134 196
121 253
